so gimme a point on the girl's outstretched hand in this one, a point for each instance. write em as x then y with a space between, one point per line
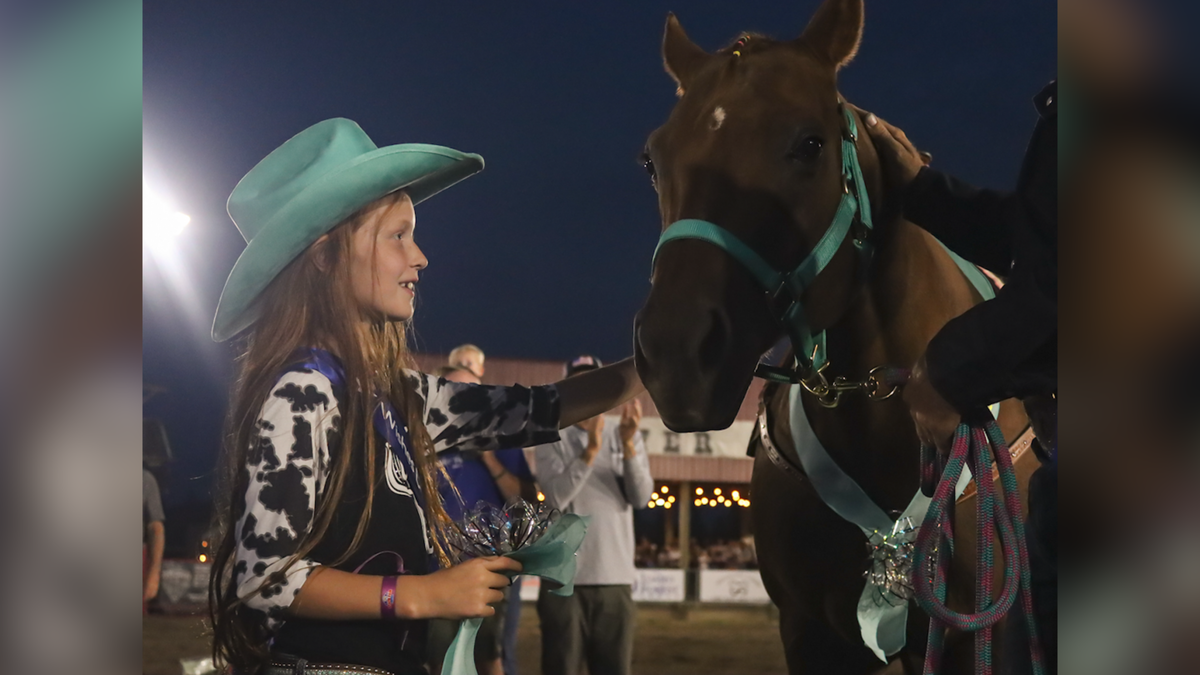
465 591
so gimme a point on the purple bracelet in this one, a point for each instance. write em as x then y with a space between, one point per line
387 597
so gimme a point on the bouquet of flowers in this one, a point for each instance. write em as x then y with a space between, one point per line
489 530
542 539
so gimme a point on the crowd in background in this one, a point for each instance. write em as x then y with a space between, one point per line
732 554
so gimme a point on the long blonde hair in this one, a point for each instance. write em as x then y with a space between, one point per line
311 303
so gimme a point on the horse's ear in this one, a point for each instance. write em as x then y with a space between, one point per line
835 31
681 57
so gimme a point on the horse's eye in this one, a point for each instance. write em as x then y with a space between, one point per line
648 165
808 149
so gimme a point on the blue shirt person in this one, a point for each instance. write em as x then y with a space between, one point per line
492 477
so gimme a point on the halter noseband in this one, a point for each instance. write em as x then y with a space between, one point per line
785 289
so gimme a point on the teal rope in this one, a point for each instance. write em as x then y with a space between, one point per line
935 550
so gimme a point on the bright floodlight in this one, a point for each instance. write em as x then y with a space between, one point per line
161 222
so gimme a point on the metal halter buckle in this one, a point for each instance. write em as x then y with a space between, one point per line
829 394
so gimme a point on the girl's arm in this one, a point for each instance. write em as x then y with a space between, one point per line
485 417
595 392
461 592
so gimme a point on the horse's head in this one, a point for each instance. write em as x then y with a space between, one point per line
754 146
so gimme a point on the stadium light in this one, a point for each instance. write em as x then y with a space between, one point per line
162 223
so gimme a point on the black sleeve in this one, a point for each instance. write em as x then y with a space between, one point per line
1003 348
975 223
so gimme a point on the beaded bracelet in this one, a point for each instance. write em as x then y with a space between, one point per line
387 597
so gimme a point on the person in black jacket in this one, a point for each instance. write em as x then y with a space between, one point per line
1006 347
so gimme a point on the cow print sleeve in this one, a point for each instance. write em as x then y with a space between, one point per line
287 468
486 417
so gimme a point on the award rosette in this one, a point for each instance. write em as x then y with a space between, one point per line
542 539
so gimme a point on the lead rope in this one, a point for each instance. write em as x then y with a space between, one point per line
935 550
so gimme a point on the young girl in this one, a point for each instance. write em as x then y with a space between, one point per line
333 548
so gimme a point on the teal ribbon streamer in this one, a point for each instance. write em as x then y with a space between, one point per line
552 558
881 624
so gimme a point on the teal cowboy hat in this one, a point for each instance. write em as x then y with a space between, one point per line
308 185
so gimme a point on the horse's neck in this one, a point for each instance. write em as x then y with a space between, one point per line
914 288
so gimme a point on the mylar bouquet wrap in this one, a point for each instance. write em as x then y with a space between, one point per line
542 539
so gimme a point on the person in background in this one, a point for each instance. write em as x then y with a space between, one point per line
493 477
153 537
603 474
469 357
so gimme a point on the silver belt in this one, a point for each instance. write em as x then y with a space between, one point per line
303 667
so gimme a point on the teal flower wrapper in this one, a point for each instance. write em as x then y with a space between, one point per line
551 557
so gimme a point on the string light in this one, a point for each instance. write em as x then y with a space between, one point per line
660 502
671 499
736 496
541 497
697 502
664 490
651 505
203 558
699 491
717 492
704 501
654 495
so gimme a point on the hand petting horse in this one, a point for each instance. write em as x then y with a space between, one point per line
779 223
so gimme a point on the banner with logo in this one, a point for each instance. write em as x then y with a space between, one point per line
183 586
733 586
657 585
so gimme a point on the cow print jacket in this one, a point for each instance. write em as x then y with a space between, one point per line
299 436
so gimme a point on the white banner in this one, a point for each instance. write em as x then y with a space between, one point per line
650 585
530 586
732 586
658 585
183 583
660 440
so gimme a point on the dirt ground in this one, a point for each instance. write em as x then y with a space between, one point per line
707 641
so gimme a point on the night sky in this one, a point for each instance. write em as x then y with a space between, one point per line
546 253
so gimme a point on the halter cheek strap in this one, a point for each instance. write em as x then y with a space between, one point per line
786 289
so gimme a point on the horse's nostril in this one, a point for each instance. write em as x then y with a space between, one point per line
715 343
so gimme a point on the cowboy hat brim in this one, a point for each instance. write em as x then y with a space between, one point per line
420 170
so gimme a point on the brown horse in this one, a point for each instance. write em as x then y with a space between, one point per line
754 145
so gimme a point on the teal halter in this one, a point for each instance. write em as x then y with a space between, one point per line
855 208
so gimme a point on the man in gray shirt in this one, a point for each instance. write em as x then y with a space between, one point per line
602 473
